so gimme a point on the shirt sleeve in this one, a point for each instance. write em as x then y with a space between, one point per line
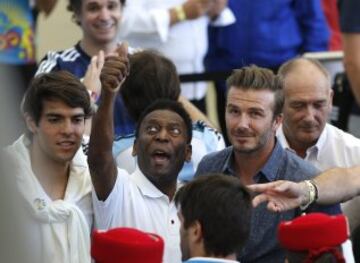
349 16
137 19
107 213
49 63
313 25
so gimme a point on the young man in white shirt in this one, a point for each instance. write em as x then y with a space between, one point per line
308 103
51 172
144 199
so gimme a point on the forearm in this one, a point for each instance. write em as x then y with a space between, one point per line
338 185
101 162
351 46
195 113
45 6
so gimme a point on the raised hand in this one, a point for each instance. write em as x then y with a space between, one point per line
115 70
92 76
196 8
280 195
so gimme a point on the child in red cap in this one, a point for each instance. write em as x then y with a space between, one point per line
314 237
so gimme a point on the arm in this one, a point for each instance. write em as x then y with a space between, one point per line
139 19
195 113
45 6
338 185
334 185
102 165
314 28
351 47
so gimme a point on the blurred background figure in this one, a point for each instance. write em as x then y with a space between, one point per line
266 33
126 245
314 238
178 29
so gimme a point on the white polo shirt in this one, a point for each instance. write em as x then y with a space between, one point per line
136 202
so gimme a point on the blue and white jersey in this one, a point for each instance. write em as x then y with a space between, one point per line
205 140
76 61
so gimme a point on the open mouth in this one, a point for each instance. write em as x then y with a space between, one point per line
160 157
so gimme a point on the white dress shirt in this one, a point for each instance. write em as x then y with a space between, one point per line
135 202
146 24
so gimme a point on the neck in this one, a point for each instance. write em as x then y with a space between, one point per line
169 190
52 175
92 49
247 165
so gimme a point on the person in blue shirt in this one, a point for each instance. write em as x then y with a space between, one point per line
253 113
266 33
99 21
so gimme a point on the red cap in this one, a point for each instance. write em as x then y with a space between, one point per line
126 245
313 231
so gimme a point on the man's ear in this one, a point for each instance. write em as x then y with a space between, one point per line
277 121
134 149
195 232
188 152
30 123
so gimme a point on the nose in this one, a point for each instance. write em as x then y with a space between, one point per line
243 121
162 135
309 113
67 127
104 13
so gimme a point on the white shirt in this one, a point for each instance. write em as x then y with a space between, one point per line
136 202
146 24
334 148
56 230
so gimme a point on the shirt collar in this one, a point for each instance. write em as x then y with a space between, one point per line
315 149
273 164
269 170
146 187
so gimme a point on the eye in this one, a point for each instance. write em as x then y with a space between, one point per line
79 119
319 105
256 114
151 129
113 5
53 119
233 111
92 8
175 131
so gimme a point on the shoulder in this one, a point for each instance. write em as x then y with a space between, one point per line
209 138
298 169
213 162
341 138
54 59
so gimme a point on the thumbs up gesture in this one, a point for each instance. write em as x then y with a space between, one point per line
115 70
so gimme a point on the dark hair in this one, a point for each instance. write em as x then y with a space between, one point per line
171 105
152 76
294 63
256 78
75 5
59 85
222 206
325 257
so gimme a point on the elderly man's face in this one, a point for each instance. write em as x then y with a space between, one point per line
308 103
